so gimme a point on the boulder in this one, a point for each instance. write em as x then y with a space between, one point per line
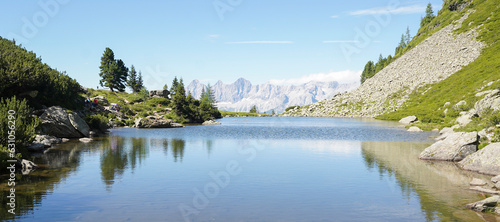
159 93
496 181
459 104
464 119
408 120
27 166
56 121
47 140
487 204
486 160
414 129
455 147
490 101
156 122
211 122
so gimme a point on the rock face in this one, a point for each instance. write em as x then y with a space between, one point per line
486 160
455 147
156 122
431 61
241 95
56 121
408 120
159 93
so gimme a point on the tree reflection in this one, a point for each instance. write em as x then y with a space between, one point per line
178 146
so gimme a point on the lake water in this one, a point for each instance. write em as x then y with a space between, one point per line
247 169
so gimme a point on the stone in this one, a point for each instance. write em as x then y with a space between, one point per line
47 140
464 119
64 140
455 147
85 140
496 181
408 120
446 104
211 122
414 129
484 190
486 160
484 205
459 104
159 93
56 121
156 122
27 166
435 130
490 101
477 182
35 147
497 210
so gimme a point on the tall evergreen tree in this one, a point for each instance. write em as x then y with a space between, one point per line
179 99
429 15
133 80
113 72
173 88
407 36
140 83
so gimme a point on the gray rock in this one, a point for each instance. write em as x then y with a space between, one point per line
79 124
459 104
47 140
159 93
408 120
35 147
464 119
211 122
64 140
455 147
27 166
486 160
414 129
85 140
156 122
477 182
496 181
446 104
490 101
497 210
484 205
55 121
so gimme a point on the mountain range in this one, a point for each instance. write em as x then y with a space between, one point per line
241 95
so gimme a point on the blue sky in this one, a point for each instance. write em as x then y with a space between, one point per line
285 42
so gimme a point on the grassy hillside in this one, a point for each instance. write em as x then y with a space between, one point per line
428 102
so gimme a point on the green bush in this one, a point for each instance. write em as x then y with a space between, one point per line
153 102
16 114
290 107
97 121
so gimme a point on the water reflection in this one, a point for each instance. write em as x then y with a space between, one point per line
441 187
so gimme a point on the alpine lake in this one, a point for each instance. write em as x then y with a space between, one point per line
247 169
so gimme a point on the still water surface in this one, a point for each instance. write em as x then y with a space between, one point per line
247 169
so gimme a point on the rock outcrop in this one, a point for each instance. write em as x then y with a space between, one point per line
431 61
455 147
211 122
489 204
156 122
484 161
59 122
490 101
408 120
159 93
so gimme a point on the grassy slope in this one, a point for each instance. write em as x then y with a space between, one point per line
428 102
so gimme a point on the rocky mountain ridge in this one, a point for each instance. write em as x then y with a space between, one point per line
241 95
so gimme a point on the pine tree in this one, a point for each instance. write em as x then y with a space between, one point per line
179 99
113 72
140 83
173 88
408 36
253 109
133 80
429 15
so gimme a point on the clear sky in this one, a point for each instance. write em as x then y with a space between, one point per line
285 42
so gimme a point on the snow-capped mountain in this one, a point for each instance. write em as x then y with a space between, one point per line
241 95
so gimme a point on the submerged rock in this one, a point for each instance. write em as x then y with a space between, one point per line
414 129
156 122
486 160
487 204
86 140
211 122
455 147
47 140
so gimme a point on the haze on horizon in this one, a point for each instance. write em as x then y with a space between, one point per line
262 41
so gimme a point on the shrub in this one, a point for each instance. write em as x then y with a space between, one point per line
18 113
97 121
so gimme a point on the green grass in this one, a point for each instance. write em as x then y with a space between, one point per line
462 85
236 114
